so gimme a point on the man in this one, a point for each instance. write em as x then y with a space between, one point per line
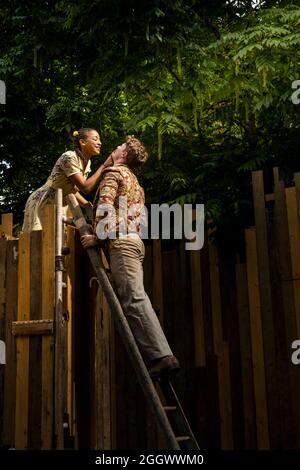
118 207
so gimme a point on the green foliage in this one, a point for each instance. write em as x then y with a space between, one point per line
206 85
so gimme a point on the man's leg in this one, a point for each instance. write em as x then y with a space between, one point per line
126 257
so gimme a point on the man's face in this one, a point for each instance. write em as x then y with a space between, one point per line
120 153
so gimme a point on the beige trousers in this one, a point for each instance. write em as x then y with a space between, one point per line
126 258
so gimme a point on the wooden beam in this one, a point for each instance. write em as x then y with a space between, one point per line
157 301
246 356
7 225
221 351
266 305
48 267
197 296
22 345
32 327
10 369
257 342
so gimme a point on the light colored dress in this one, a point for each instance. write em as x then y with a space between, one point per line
69 163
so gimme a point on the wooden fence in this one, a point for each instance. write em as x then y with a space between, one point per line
230 318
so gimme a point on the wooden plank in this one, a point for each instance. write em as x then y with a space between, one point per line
22 344
292 317
246 357
283 309
297 186
284 319
7 225
197 294
225 397
48 281
82 339
257 342
102 373
10 369
70 269
293 210
215 299
206 301
60 349
221 351
157 300
32 327
2 322
263 261
35 343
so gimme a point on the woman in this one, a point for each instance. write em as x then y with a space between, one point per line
69 173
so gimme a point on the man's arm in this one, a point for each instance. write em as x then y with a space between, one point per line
107 193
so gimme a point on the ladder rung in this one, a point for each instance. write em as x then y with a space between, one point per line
182 438
170 408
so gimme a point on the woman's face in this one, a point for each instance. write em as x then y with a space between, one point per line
91 145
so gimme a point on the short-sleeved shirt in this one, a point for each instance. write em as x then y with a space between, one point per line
68 164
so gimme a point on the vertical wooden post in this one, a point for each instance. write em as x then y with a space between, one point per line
292 318
2 321
257 342
221 351
70 267
35 344
7 225
10 368
197 294
103 387
294 233
60 325
284 319
266 304
293 213
157 300
22 344
48 270
246 356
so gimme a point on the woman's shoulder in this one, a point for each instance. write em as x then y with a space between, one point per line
69 154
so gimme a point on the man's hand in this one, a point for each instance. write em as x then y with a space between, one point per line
89 240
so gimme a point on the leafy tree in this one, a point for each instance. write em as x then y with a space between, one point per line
206 85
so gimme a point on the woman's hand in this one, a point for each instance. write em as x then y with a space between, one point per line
109 161
88 241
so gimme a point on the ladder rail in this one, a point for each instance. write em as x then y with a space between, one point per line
177 415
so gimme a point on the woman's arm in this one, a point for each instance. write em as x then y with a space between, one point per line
86 186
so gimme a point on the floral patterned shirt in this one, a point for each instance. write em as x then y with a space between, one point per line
68 164
119 193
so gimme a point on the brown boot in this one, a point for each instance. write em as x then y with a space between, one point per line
165 366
